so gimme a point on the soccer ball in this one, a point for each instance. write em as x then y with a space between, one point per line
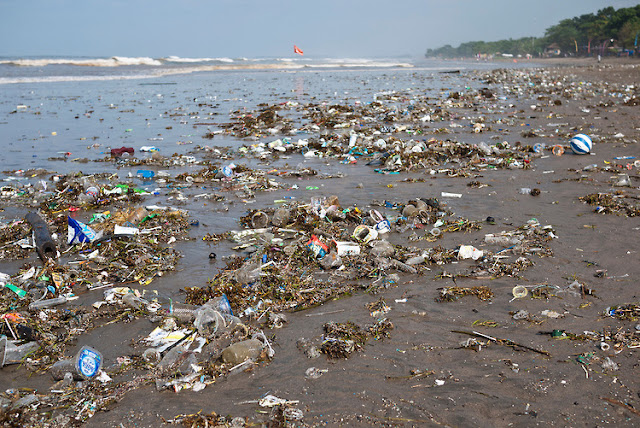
581 144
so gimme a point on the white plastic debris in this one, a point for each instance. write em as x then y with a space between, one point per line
469 252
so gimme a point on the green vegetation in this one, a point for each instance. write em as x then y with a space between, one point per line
609 31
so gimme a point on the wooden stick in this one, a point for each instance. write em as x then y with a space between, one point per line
505 342
621 404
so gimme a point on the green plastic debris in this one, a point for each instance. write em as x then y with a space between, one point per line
149 217
19 291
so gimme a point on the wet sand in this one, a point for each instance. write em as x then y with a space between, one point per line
427 373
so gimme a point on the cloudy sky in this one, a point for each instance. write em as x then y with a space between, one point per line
269 28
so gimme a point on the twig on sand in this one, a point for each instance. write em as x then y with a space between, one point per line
505 342
621 404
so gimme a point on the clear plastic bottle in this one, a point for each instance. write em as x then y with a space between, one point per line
136 216
415 260
183 313
484 148
501 239
49 303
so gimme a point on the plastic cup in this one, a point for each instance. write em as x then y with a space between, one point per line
84 366
259 220
14 354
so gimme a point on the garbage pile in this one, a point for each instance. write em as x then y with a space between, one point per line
301 255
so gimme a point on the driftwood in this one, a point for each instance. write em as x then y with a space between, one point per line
505 342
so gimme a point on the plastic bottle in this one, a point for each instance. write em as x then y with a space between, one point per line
49 303
335 214
176 359
136 217
415 260
501 239
525 191
242 351
484 148
84 198
403 266
220 304
248 274
183 313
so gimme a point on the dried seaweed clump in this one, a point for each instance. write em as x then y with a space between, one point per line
628 312
202 420
608 203
15 240
380 329
451 294
342 339
489 268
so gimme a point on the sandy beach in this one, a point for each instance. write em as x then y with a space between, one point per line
537 327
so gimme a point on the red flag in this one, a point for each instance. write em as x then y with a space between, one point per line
297 50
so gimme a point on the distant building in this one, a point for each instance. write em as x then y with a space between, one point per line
552 50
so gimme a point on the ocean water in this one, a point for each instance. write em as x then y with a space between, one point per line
60 69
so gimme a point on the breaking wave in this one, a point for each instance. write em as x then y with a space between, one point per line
195 60
115 61
37 70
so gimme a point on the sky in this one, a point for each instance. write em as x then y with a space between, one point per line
270 28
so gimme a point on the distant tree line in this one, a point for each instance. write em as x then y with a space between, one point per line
607 32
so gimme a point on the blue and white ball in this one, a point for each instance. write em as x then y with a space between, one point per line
581 144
